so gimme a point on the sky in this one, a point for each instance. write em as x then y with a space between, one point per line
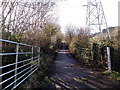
74 13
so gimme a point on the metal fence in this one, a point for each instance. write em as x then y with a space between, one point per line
21 69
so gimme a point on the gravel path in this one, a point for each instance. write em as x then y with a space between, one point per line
67 69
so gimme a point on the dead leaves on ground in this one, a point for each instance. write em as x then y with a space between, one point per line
81 79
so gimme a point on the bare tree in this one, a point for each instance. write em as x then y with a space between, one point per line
19 17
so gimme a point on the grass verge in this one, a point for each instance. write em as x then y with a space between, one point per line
115 75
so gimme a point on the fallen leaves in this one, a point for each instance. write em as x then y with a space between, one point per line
81 79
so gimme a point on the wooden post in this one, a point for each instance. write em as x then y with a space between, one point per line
109 59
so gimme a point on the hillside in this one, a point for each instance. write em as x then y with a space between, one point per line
97 37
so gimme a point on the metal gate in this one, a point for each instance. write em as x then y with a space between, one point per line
22 68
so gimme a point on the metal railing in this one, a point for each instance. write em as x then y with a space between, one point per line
22 71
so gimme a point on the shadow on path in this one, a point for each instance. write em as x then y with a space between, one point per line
68 70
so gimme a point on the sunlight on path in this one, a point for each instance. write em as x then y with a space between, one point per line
68 70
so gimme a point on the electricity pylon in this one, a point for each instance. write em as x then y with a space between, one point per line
95 18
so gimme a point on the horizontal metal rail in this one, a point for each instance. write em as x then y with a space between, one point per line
25 78
17 74
16 43
15 53
16 69
17 63
19 78
28 66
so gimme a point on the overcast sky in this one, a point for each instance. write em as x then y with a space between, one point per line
72 12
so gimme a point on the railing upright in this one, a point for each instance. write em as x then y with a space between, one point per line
17 51
39 55
32 57
109 59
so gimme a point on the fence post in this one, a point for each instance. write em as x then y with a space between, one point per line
95 53
39 55
17 49
32 57
109 59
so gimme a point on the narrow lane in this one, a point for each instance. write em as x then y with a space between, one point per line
67 69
